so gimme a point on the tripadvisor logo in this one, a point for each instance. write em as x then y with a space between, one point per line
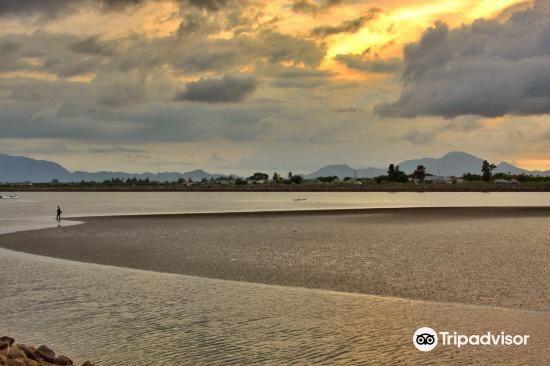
426 339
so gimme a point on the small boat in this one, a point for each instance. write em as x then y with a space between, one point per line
10 197
300 199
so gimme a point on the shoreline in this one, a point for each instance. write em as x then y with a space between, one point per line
297 249
321 211
544 187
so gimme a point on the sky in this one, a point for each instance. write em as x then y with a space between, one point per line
234 86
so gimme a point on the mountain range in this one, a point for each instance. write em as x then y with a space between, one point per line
454 163
24 169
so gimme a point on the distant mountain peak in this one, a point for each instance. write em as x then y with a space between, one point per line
22 169
459 154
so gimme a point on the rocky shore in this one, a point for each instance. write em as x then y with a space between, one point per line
12 354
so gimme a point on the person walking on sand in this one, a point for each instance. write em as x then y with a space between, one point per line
59 212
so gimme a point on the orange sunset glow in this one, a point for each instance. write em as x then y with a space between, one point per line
372 74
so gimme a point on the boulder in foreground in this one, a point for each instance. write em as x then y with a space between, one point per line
12 354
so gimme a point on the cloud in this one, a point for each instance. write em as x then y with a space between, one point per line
350 26
94 46
50 9
361 63
212 5
300 78
203 54
227 89
62 55
115 149
201 17
488 68
216 158
308 6
418 137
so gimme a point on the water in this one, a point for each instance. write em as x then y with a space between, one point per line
118 316
42 205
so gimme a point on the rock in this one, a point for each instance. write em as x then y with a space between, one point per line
63 360
8 340
45 353
29 351
24 362
15 353
23 355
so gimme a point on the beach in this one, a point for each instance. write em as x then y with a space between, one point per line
341 286
483 256
120 316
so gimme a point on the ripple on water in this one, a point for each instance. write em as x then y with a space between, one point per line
109 315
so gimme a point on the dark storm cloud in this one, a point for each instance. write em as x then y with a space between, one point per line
487 68
360 63
350 26
227 89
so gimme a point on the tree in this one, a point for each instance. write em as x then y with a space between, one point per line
328 179
396 175
486 169
259 177
296 179
277 178
419 173
391 170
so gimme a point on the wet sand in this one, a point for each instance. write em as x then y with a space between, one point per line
483 256
111 315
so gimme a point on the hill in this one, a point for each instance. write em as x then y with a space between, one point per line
454 163
22 169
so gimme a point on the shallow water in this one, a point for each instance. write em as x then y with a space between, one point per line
118 316
37 209
43 204
108 314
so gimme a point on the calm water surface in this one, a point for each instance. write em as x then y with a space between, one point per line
41 206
